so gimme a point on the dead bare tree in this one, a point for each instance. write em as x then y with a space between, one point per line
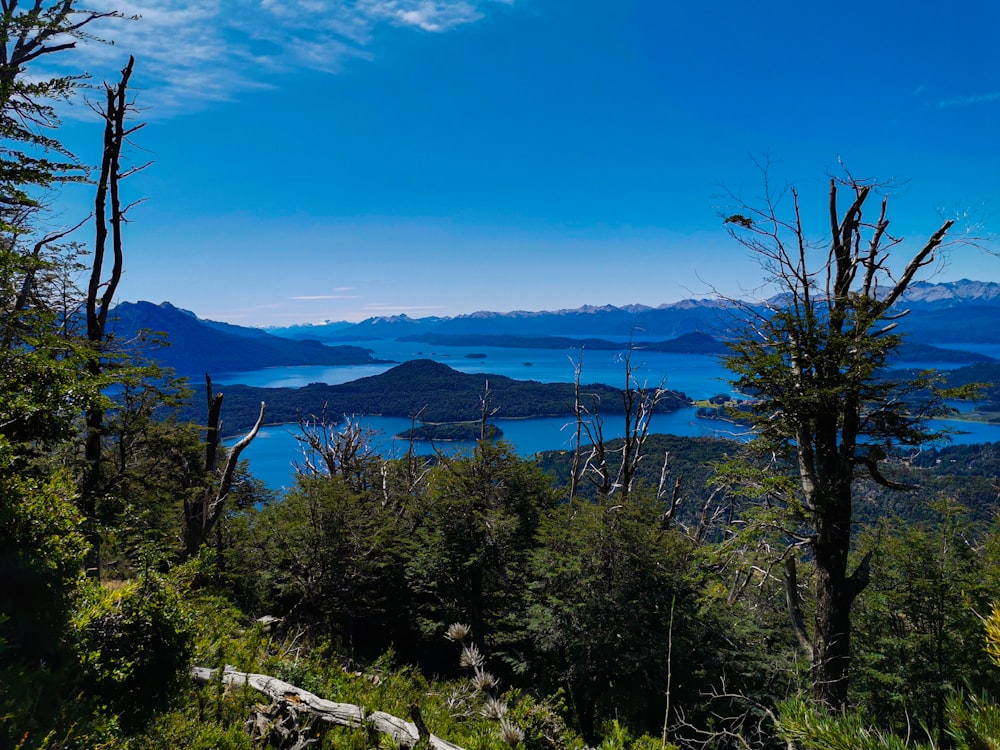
486 411
402 732
346 451
202 514
639 403
578 415
109 217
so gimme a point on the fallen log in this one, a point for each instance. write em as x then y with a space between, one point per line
340 714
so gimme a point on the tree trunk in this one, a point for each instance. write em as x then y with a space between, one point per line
201 515
835 594
402 732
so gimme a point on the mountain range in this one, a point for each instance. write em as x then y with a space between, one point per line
955 312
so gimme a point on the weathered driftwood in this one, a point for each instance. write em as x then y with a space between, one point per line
341 714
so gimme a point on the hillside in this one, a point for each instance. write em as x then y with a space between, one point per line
198 346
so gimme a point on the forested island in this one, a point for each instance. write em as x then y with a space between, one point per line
464 431
432 390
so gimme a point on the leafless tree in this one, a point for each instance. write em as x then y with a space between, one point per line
345 451
599 459
203 513
109 217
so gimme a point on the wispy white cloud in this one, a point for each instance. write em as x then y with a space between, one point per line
965 101
192 52
323 296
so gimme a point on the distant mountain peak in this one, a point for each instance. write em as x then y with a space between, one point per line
963 290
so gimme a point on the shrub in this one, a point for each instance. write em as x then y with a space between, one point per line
132 640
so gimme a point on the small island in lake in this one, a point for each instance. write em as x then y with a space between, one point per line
475 355
451 431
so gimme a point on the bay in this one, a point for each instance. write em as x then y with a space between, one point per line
697 375
273 453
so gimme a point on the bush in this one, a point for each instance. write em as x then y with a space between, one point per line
132 640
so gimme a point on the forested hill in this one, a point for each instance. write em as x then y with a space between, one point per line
198 346
437 392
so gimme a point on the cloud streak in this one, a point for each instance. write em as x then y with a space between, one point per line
965 101
195 52
310 297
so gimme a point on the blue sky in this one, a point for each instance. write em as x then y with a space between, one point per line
322 160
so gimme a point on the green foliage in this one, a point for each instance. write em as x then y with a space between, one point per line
606 580
41 553
919 627
618 737
452 431
132 640
472 538
974 723
150 464
812 729
329 555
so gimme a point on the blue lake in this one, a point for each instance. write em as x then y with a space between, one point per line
273 453
275 450
697 375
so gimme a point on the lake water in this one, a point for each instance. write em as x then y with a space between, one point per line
697 375
275 450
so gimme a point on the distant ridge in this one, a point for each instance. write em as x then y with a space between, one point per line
954 293
198 346
952 312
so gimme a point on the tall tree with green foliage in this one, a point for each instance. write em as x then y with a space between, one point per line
472 536
824 413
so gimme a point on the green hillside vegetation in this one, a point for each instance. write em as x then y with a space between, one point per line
817 587
466 431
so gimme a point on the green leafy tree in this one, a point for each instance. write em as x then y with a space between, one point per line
473 533
28 119
919 627
814 361
325 555
612 610
132 641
